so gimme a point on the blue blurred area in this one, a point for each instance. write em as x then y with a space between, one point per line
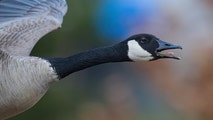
114 19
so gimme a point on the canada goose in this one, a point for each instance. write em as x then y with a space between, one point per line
24 79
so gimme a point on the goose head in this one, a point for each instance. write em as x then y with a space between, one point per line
147 47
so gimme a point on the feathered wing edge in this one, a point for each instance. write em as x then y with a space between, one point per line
24 22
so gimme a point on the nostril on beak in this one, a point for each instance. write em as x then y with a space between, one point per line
167 44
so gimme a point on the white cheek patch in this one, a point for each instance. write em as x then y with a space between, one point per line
137 53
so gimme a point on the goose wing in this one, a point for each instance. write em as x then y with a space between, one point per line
24 22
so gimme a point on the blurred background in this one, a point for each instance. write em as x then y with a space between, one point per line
158 90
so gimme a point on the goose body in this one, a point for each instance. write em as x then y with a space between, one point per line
22 85
25 79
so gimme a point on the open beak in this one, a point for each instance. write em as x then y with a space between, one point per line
163 46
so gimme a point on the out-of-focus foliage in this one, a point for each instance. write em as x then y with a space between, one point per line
160 90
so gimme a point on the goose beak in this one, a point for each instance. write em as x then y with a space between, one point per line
163 47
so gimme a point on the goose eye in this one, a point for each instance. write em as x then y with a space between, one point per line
144 40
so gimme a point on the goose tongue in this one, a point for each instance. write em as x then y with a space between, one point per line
170 53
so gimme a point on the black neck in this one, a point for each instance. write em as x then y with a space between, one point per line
68 65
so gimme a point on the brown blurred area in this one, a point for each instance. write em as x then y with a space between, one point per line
119 104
